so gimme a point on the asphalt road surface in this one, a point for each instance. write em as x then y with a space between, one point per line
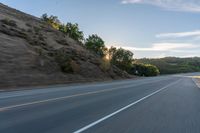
165 104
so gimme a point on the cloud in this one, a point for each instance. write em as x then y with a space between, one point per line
158 50
165 47
179 34
174 5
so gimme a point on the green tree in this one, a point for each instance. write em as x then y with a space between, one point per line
45 17
121 58
112 50
62 28
96 44
73 31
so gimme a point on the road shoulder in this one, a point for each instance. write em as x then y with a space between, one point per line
196 79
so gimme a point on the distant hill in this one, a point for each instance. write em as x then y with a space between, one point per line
172 65
30 52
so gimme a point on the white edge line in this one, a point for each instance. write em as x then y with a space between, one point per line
122 109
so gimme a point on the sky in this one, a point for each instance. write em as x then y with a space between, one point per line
149 28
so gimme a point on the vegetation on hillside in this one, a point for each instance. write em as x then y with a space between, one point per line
172 65
119 57
144 70
72 30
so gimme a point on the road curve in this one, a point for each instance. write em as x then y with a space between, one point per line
167 104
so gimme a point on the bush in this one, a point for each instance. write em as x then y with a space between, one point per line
29 25
37 29
144 70
9 22
63 61
66 67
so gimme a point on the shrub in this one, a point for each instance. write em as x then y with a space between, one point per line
29 25
39 51
66 67
63 61
144 70
9 22
37 29
62 41
29 30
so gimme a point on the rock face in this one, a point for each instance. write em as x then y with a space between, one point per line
32 53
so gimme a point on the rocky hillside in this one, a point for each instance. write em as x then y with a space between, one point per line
33 53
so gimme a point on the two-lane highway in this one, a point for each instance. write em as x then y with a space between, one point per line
167 104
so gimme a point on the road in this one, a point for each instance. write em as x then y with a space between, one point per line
164 104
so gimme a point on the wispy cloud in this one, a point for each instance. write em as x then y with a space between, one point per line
175 5
179 34
164 47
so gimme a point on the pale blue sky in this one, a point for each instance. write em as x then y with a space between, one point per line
150 28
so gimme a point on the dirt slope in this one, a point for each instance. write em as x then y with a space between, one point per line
30 49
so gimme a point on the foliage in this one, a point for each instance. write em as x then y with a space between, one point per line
66 67
73 31
111 52
144 70
172 65
63 61
9 22
96 44
121 58
52 20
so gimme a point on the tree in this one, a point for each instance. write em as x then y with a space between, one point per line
44 17
121 58
52 20
96 44
73 31
111 52
62 28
